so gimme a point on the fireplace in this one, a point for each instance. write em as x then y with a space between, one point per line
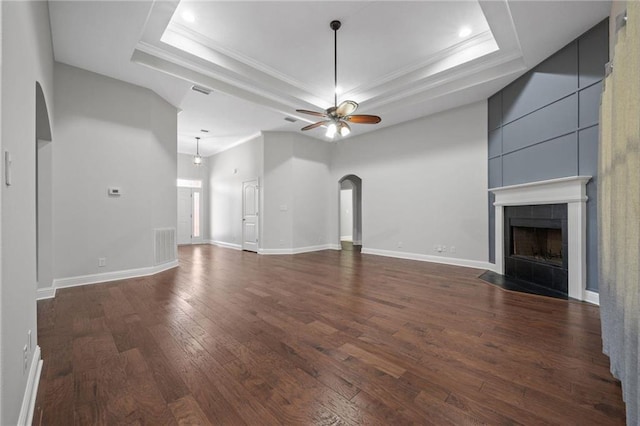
569 192
535 243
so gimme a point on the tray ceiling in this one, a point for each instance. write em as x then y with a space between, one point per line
262 59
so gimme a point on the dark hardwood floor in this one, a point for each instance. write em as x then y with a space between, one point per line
329 337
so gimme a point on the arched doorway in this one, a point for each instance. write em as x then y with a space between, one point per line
44 192
350 214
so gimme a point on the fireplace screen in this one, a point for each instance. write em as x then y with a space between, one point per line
538 244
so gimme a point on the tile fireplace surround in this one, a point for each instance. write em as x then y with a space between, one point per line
569 190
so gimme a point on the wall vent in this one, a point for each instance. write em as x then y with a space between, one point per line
200 89
290 119
165 245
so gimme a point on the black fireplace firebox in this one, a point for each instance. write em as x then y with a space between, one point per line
535 245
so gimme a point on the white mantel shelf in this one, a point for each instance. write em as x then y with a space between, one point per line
570 190
554 191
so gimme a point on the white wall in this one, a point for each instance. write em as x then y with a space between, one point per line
188 170
227 171
45 213
424 183
27 57
346 214
277 212
110 133
296 192
311 180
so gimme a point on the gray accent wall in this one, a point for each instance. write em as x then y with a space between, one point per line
544 125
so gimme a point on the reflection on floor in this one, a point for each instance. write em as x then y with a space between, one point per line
349 246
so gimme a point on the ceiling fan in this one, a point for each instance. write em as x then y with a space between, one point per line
338 115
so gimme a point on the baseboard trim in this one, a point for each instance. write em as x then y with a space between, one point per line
346 238
592 297
225 245
29 399
299 250
46 293
426 258
111 276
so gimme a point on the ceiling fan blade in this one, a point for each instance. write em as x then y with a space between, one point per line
317 114
363 119
346 108
314 125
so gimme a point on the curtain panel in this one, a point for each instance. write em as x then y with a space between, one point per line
619 210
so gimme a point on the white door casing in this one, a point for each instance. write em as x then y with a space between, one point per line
250 203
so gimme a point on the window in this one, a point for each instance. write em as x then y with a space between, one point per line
187 183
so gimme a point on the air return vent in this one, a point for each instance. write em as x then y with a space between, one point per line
165 245
200 89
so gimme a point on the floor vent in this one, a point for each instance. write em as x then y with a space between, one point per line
165 245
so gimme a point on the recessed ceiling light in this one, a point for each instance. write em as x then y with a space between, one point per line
464 31
188 16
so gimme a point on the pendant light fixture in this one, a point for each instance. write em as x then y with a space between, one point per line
197 160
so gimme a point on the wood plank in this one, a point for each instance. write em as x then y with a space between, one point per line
327 337
374 360
187 412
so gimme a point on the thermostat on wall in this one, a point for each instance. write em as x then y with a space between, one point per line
115 191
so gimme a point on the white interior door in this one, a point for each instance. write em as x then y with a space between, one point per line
250 204
184 215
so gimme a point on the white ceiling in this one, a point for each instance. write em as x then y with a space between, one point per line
263 60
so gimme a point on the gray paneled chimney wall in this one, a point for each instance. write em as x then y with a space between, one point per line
544 125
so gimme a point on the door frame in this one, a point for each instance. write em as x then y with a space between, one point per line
356 207
192 190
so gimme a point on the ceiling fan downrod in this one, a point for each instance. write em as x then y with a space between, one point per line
337 116
335 26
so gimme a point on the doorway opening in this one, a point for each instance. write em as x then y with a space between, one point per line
350 212
190 211
44 193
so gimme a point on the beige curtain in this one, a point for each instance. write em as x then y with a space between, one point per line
619 211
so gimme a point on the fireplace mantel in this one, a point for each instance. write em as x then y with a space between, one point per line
571 190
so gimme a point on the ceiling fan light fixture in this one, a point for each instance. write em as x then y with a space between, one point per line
344 129
332 129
